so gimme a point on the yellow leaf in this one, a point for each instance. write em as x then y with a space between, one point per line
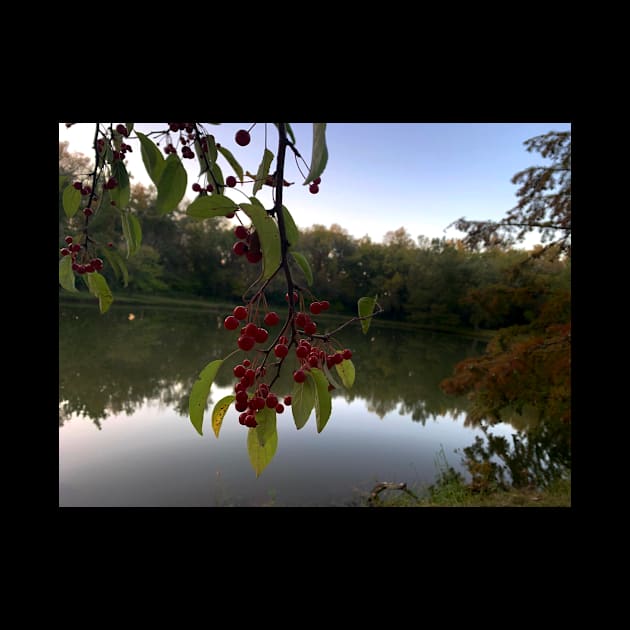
219 411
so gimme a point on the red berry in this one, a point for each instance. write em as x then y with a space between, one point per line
75 267
121 129
310 328
97 263
65 251
240 312
250 375
313 361
112 182
239 248
279 408
210 188
272 401
77 185
281 350
239 371
241 232
315 308
86 190
347 354
246 343
230 181
89 268
75 247
287 400
242 137
313 188
253 257
317 181
240 406
229 216
230 322
88 212
338 358
196 187
261 335
68 239
299 376
246 362
283 340
300 319
295 297
242 418
110 244
250 330
271 318
250 422
301 352
324 305
258 403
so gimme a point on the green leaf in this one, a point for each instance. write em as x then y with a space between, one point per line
66 275
269 236
172 185
263 170
304 266
236 167
152 158
218 177
208 206
131 231
290 132
200 392
129 128
260 456
266 419
71 200
303 401
122 193
323 400
218 413
366 308
319 155
98 286
330 377
346 371
62 181
293 234
117 264
212 149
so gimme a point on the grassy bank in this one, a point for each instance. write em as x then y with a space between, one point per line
160 301
454 493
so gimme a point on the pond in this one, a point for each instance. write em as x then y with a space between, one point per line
125 438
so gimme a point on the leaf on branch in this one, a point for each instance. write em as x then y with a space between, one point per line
366 308
71 200
303 401
346 371
301 260
131 231
117 264
98 286
122 193
263 170
152 158
293 234
266 419
200 392
66 275
269 235
233 162
260 456
208 206
323 400
62 181
172 185
219 411
319 156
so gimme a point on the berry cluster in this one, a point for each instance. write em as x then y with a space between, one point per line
314 187
86 265
253 391
248 244
187 136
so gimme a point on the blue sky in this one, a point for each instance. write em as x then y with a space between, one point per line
380 176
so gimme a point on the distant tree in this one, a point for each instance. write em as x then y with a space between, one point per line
544 201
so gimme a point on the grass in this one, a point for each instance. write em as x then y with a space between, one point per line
450 490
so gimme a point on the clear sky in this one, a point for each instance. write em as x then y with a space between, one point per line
380 176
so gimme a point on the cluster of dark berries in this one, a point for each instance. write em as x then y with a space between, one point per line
252 389
187 136
314 187
199 188
73 250
248 244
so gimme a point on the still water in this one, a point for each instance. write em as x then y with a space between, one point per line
125 438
